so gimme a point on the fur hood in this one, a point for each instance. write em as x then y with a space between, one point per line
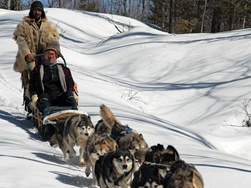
33 40
32 20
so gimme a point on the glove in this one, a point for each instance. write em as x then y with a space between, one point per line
75 96
33 101
29 58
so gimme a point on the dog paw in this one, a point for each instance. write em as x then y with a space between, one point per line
83 164
87 173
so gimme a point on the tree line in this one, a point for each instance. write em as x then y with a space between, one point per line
172 16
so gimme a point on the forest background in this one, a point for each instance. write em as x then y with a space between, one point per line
172 16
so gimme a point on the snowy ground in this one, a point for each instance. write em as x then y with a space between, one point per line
182 90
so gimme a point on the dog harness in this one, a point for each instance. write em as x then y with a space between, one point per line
115 135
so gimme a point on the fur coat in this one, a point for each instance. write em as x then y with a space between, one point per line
33 40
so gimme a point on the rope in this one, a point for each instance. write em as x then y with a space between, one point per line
156 164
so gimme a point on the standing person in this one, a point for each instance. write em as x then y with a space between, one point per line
32 35
51 84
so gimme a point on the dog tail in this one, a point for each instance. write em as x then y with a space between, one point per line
107 116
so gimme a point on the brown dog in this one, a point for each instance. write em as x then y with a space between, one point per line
97 145
183 175
125 137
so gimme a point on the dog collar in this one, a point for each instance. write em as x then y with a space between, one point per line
128 130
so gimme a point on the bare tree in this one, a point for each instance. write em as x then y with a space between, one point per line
171 16
203 16
61 3
124 8
217 18
246 110
8 4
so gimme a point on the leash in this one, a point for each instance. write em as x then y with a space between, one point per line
156 164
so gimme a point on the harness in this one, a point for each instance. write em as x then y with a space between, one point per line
156 164
116 134
116 182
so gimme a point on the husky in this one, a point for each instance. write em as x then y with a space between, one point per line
67 133
126 137
140 155
147 176
132 141
156 163
108 120
183 175
115 169
96 146
161 155
157 154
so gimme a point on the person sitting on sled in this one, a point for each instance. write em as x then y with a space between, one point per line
51 84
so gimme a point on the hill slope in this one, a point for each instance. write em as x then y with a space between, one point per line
182 90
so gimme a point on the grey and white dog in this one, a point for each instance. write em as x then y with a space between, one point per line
68 132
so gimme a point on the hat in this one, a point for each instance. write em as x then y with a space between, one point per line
50 47
37 5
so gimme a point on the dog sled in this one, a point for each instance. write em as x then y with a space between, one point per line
46 122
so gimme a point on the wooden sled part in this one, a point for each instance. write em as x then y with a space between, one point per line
63 114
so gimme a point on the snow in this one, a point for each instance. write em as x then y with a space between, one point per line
185 90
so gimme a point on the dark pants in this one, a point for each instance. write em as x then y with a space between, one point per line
66 99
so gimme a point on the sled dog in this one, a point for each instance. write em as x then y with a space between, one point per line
115 169
140 155
147 176
157 154
156 162
97 145
125 137
161 155
67 132
184 175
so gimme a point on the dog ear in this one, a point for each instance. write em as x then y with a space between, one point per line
160 147
103 141
190 177
79 119
175 153
141 136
